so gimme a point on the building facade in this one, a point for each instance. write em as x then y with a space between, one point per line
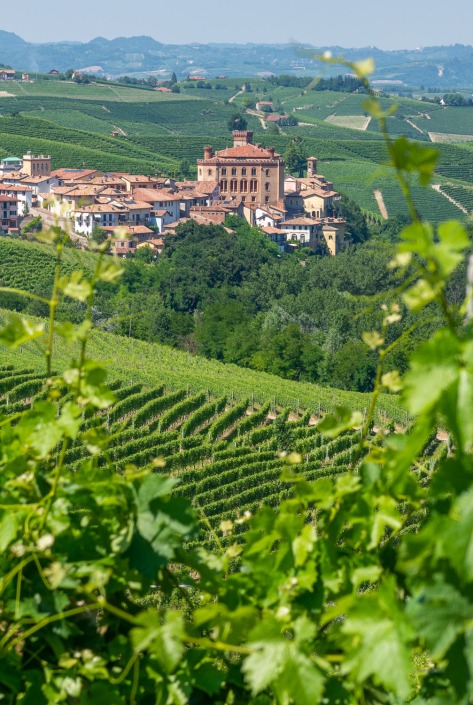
246 172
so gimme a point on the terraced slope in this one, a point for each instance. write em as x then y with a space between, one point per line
228 455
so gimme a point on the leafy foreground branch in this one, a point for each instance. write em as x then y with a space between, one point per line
357 590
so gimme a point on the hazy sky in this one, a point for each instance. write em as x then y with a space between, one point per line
350 23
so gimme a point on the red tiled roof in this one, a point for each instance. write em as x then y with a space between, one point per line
247 151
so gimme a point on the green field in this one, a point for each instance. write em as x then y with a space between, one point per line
224 448
73 123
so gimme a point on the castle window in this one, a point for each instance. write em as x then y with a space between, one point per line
209 172
253 171
266 186
243 185
267 172
224 172
243 171
233 171
266 199
233 185
253 198
253 185
223 185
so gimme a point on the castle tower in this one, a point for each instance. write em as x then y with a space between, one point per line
36 166
242 138
312 166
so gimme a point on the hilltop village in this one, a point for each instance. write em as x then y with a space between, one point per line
247 180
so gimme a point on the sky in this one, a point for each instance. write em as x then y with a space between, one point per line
399 24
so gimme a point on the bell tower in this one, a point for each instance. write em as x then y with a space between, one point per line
311 166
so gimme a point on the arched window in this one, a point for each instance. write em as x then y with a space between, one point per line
209 171
224 172
243 171
253 185
233 185
267 172
233 171
244 185
266 186
253 171
223 185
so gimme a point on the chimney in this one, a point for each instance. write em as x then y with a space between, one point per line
208 152
242 137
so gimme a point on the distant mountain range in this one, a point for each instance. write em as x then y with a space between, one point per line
441 67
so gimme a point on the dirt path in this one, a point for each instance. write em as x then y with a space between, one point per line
409 122
230 100
381 204
260 117
438 188
367 122
119 129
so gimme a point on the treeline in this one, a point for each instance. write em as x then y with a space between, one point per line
343 84
232 296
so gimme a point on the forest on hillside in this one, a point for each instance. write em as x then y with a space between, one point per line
232 296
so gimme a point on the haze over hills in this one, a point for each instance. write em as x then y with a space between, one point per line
442 66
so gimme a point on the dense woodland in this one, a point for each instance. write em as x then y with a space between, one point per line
232 296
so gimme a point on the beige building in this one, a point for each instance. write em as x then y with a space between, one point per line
36 166
246 172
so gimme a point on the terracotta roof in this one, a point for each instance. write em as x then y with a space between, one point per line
317 192
14 187
101 208
130 230
137 205
269 230
246 151
8 199
152 195
72 174
301 221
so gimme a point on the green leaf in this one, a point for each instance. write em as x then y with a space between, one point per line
163 639
76 286
434 368
39 428
20 330
377 641
439 613
8 529
343 419
410 156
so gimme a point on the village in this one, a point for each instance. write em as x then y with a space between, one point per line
246 180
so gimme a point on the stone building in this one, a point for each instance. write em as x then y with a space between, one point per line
246 172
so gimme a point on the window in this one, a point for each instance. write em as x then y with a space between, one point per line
223 185
267 172
253 198
200 172
209 172
253 171
253 185
243 198
266 199
243 185
224 171
266 186
233 171
243 171
233 185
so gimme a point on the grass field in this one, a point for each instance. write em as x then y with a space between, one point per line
73 123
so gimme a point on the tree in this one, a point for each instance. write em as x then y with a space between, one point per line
173 78
237 122
296 157
99 235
